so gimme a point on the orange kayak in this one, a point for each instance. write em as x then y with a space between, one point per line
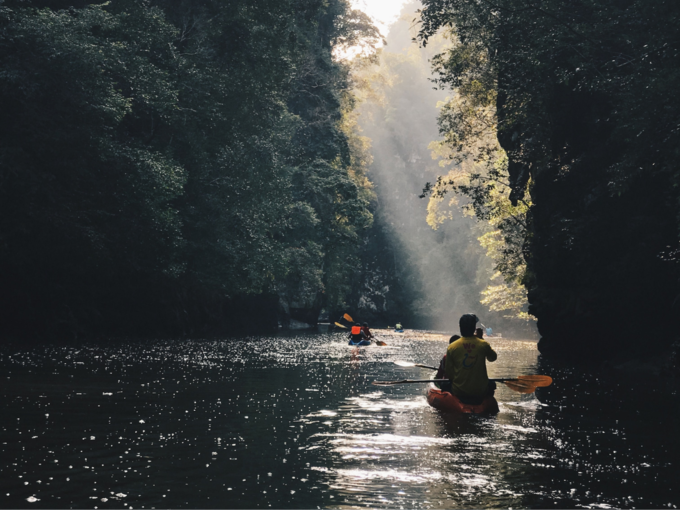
445 401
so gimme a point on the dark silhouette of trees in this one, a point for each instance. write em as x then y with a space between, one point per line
172 167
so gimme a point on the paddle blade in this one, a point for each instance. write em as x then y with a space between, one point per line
404 363
348 317
540 381
380 343
340 325
520 387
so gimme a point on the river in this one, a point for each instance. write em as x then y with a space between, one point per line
293 422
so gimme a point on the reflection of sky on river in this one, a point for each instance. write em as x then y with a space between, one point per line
293 422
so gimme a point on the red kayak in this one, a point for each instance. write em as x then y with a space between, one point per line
445 401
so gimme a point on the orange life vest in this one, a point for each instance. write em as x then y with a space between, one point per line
356 330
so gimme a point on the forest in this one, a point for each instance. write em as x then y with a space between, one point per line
196 168
174 167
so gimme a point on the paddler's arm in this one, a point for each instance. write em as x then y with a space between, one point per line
491 354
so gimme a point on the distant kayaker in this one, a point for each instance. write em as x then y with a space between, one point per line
357 334
366 331
489 331
398 326
441 372
466 360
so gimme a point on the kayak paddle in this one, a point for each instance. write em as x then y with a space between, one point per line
540 381
519 384
408 381
347 317
409 364
340 325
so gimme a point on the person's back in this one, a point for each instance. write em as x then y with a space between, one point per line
357 334
466 362
441 371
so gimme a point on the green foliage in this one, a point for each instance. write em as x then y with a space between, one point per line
328 163
74 176
582 103
197 150
479 172
598 49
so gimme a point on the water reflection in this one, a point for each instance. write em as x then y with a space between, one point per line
293 422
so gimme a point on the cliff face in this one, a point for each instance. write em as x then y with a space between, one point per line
596 278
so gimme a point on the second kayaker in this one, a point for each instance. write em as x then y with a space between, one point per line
441 372
357 334
466 361
366 331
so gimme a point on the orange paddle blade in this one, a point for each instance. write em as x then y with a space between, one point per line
541 381
380 343
519 386
348 317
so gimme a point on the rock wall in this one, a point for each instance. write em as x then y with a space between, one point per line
597 282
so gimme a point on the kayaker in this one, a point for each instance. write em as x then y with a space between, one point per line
441 372
357 334
466 363
479 333
366 331
398 326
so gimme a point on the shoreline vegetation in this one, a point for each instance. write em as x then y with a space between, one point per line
174 168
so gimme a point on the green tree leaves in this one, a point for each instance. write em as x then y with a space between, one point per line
191 149
584 112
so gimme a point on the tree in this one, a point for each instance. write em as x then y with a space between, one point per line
167 162
574 85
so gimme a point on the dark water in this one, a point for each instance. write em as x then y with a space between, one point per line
293 422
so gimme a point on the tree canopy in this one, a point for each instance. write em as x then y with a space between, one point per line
162 161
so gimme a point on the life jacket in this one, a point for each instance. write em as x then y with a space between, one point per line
356 330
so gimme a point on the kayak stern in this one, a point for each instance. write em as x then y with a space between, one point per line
360 343
445 401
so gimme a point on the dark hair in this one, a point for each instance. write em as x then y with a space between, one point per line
467 324
366 324
454 338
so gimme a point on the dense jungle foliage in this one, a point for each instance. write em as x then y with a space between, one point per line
175 167
566 115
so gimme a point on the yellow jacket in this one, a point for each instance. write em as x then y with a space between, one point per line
466 366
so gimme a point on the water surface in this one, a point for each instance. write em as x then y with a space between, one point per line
293 422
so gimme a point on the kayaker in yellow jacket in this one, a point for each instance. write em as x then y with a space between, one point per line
466 362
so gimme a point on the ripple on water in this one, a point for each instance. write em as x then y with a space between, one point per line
294 422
